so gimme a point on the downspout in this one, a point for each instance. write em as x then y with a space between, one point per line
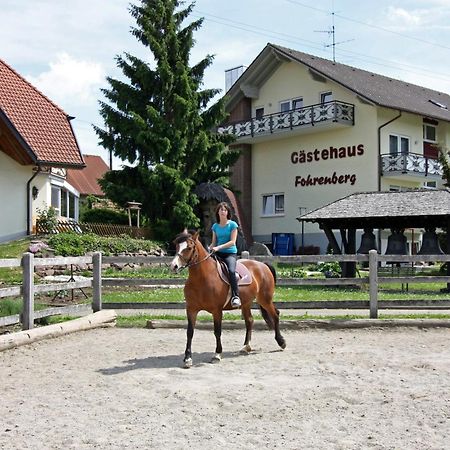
379 146
379 166
29 200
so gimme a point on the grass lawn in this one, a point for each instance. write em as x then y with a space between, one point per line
428 291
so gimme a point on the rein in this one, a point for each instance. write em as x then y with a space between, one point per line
188 263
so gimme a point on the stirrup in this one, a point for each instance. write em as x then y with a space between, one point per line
235 301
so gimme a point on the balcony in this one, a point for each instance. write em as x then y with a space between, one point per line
410 164
332 113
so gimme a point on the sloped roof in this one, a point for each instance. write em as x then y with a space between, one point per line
86 181
40 127
408 209
371 87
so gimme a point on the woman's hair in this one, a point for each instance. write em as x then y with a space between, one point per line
225 205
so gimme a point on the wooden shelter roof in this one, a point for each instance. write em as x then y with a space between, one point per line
420 208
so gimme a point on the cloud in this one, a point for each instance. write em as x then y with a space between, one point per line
70 81
404 18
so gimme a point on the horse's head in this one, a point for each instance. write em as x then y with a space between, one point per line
185 250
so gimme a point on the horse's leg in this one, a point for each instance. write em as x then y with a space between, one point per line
271 316
248 318
217 316
192 318
276 324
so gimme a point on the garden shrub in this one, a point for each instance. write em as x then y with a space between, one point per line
330 269
47 219
104 215
73 244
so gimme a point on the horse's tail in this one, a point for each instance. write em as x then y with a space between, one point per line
268 319
272 270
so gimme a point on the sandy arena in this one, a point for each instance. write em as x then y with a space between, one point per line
125 388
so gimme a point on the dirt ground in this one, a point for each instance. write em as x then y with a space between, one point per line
125 388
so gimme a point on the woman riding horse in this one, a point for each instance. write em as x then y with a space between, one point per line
205 290
224 235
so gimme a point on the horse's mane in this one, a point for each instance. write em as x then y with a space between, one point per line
183 237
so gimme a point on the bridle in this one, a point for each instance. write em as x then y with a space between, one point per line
188 262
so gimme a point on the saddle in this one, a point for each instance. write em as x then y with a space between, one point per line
243 275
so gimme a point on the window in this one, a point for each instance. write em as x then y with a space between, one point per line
394 188
64 202
441 105
259 113
297 103
429 133
398 145
430 185
273 204
326 97
287 105
56 199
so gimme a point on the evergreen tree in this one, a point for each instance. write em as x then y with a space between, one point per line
443 156
160 122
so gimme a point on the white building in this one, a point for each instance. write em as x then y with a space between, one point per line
312 131
37 145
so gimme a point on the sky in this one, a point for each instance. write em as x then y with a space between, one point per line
67 48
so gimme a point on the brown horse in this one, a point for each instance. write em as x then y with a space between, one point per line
205 290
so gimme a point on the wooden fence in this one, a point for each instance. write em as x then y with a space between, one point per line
373 280
102 229
28 287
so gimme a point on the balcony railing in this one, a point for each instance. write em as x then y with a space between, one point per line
410 163
334 111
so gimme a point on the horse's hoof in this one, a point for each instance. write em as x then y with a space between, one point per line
187 363
245 350
216 358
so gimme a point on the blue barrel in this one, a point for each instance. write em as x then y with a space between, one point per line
283 243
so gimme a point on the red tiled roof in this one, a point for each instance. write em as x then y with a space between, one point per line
44 128
85 181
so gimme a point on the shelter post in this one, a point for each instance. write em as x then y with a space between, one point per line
373 284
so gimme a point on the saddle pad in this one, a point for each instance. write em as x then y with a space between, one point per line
243 275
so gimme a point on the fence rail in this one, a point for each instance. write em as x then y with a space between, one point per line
28 289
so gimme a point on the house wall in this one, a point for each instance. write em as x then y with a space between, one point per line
13 197
274 166
410 126
13 204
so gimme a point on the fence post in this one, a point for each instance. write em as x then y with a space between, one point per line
245 254
373 284
97 281
28 291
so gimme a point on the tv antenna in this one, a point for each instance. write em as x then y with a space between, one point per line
332 32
